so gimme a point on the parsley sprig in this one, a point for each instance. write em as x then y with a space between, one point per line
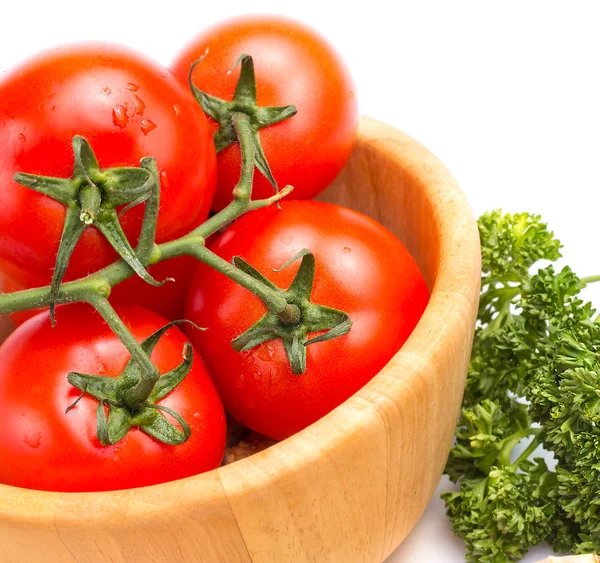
534 379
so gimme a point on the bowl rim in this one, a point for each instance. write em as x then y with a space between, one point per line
459 280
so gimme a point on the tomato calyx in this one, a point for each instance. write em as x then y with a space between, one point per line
91 197
124 412
298 319
244 101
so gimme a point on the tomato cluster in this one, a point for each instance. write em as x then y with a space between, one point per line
357 275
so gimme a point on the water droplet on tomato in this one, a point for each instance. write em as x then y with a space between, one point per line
106 91
147 126
164 179
263 353
197 415
138 106
163 74
120 117
352 95
21 137
347 249
33 438
177 110
116 459
133 87
267 352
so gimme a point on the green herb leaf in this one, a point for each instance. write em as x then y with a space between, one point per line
534 371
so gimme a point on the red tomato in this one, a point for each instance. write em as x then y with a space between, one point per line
41 447
294 65
127 107
8 286
361 268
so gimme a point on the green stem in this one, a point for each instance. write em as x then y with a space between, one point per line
243 130
530 449
236 209
242 193
138 394
274 301
510 442
148 233
89 200
113 320
590 279
72 292
102 281
96 288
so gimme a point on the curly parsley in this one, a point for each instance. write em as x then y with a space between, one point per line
534 379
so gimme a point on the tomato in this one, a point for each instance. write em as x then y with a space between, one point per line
43 448
8 286
294 65
361 269
127 107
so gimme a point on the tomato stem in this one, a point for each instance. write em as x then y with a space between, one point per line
243 130
96 288
139 394
299 318
38 298
291 315
148 233
192 244
244 102
105 279
136 406
274 300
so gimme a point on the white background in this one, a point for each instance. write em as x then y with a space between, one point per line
505 93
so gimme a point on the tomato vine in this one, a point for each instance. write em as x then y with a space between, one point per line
103 191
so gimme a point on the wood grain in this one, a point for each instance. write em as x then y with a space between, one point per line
348 488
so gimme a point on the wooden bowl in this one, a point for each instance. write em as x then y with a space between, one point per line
348 488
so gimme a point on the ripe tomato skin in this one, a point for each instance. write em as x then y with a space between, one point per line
294 65
8 286
34 393
113 97
361 269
